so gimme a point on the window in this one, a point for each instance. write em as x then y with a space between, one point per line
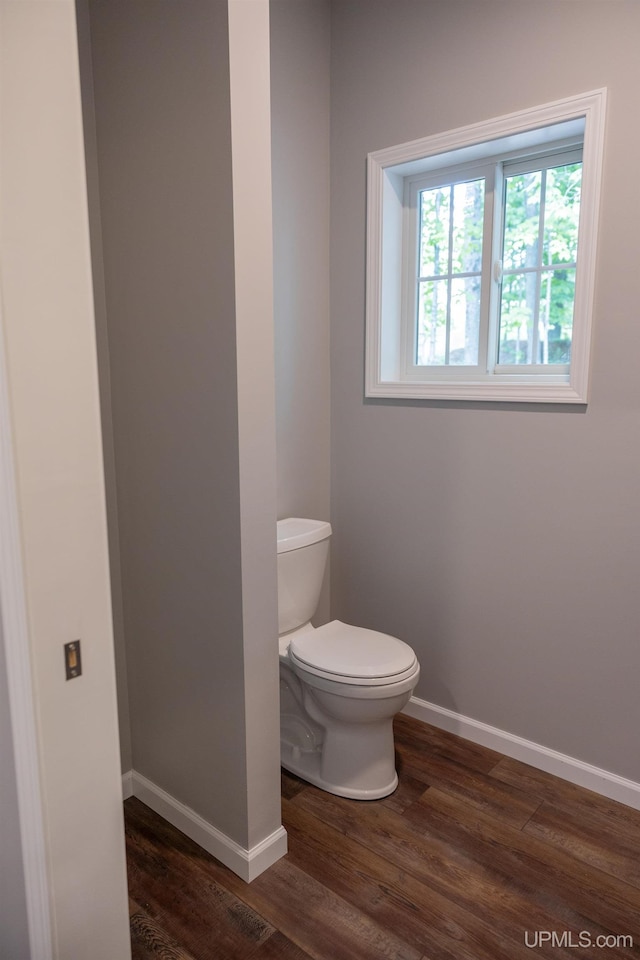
481 253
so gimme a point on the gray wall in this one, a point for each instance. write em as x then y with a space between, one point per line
300 60
502 542
161 85
102 339
300 84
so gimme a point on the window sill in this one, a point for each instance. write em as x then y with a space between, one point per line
510 392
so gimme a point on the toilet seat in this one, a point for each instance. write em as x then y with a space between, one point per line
352 655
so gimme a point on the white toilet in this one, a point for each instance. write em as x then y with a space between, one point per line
340 686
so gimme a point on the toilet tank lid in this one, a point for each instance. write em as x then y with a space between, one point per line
296 532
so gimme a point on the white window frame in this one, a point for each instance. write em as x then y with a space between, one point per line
390 173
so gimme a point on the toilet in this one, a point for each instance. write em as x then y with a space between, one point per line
340 685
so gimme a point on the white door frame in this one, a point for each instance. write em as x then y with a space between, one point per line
13 611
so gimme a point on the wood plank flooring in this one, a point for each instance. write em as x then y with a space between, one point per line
474 857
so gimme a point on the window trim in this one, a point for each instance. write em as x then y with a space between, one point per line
388 171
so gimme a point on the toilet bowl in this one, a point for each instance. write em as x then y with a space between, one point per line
340 685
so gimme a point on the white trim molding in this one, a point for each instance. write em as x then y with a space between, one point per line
246 863
127 784
605 783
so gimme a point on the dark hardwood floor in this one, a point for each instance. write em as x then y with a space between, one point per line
474 857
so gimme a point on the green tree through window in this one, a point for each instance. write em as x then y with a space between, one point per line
450 269
541 213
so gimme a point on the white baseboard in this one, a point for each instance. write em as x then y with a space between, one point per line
568 768
246 863
127 785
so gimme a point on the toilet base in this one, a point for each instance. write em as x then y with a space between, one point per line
339 736
306 765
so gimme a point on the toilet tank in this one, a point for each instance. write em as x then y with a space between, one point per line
303 546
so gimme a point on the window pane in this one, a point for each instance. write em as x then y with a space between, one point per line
536 310
517 312
468 221
435 226
562 211
522 220
451 214
431 347
465 321
555 323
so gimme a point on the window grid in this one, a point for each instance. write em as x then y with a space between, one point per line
542 271
447 276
